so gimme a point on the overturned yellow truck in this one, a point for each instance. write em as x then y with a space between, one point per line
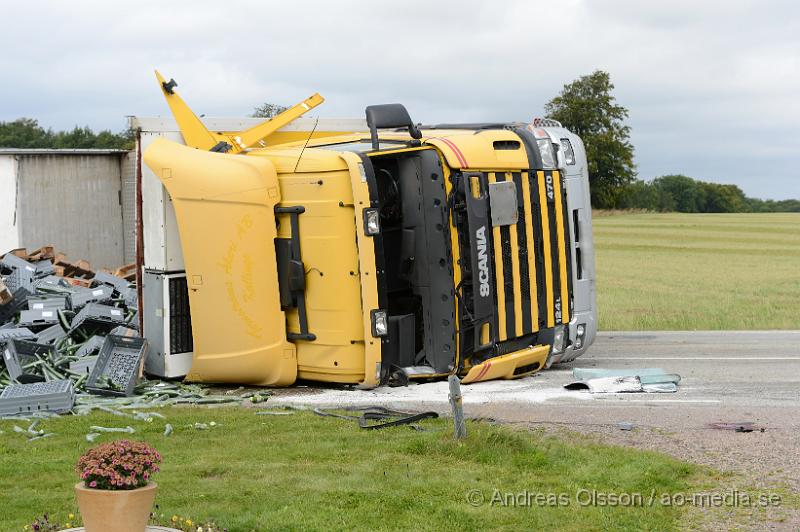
400 252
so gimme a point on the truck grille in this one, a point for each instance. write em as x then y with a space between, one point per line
531 257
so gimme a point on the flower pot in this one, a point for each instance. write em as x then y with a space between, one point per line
115 510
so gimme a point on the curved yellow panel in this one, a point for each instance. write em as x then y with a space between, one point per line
225 210
491 149
525 362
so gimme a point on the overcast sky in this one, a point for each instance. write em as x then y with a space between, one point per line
712 86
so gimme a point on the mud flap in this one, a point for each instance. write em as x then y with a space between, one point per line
224 206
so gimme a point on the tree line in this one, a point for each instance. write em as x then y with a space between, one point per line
680 193
27 133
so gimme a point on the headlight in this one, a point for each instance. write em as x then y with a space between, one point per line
580 332
569 153
547 152
372 222
380 323
558 340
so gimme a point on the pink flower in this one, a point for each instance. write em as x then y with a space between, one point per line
118 465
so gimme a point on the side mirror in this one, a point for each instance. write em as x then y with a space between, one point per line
389 115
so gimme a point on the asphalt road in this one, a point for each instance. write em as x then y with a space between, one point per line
727 377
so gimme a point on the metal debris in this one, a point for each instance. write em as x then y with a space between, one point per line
650 380
377 413
742 426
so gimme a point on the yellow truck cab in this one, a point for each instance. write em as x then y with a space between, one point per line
364 257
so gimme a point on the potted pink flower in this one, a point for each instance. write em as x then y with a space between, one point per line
116 492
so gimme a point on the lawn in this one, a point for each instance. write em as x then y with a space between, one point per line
698 271
253 472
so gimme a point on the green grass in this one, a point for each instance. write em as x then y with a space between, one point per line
698 271
305 472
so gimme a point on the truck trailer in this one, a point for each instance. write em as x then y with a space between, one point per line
379 254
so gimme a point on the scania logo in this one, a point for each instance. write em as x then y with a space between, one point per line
483 262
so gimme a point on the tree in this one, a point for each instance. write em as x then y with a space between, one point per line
724 198
587 107
24 133
687 194
268 110
683 194
639 195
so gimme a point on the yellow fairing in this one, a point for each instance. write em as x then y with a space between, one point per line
503 367
225 211
495 148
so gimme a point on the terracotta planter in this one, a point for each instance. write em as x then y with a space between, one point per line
115 510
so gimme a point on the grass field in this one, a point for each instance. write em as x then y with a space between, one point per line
698 271
307 472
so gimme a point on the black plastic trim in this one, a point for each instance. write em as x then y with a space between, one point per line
538 239
389 115
294 213
221 147
169 86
